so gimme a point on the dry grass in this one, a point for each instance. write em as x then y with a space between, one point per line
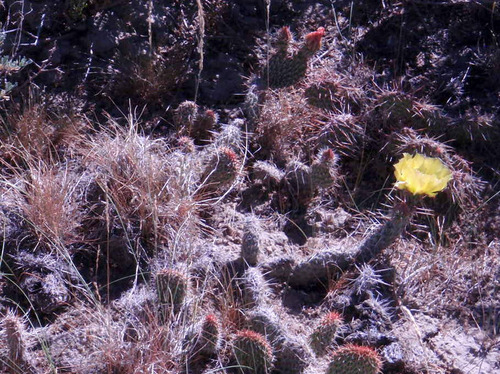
450 281
147 185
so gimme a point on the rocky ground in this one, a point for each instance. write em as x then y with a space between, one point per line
208 186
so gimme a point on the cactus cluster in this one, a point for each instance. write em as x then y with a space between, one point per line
252 352
354 359
284 70
190 120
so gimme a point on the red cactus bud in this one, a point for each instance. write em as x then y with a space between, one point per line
284 34
313 39
327 155
332 318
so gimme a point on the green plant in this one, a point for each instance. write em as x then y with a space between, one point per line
284 70
221 170
355 359
250 246
324 334
172 287
9 66
252 352
76 9
13 329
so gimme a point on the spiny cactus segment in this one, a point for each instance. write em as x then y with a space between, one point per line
385 235
253 353
13 328
283 70
254 288
172 287
204 124
250 245
209 338
221 170
185 116
324 170
355 359
324 334
304 180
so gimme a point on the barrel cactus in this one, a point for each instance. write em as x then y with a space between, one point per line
172 286
324 334
221 170
253 353
355 359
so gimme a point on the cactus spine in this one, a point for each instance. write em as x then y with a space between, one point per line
324 334
252 352
354 359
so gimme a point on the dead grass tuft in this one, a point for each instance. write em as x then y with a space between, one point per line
149 186
49 204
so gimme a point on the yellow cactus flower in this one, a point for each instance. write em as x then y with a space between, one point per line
420 174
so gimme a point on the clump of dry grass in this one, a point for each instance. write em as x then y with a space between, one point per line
147 185
449 280
49 204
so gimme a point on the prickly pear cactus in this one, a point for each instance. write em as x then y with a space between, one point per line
252 352
354 359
